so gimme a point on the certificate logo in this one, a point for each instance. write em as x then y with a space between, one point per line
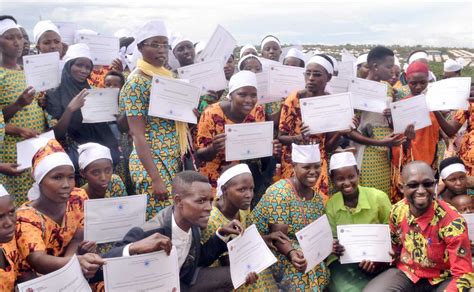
231 248
305 103
146 263
157 81
27 62
342 230
171 112
120 207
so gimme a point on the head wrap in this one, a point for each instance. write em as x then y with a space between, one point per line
334 62
151 29
342 159
230 174
452 168
295 53
79 50
247 47
177 40
452 65
7 24
241 79
267 39
323 62
417 67
91 152
305 153
46 159
3 191
241 61
362 59
417 56
42 27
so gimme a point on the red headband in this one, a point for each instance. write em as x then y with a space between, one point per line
417 67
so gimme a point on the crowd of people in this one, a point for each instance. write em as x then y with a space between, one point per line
417 182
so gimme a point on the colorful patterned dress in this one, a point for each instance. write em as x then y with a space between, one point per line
265 280
12 85
37 232
281 205
466 150
161 137
290 124
211 124
10 273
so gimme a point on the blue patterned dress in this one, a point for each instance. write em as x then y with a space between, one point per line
281 205
161 137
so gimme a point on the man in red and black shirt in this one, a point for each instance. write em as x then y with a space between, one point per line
429 238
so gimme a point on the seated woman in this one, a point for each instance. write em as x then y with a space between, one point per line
8 251
49 229
95 166
234 193
454 177
288 206
242 107
353 204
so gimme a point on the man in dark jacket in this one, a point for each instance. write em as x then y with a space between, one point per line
180 226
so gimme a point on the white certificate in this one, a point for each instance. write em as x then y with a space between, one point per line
101 105
26 149
173 99
346 69
219 47
103 49
248 253
365 242
154 271
327 113
470 225
42 71
285 79
262 88
409 111
207 75
68 278
338 85
317 234
449 94
67 30
109 219
267 64
248 141
368 95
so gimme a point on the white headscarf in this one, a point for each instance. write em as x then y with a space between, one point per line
79 50
43 26
7 24
90 152
452 168
241 61
151 29
241 79
247 47
362 59
295 53
342 159
269 38
323 62
452 66
417 56
305 153
230 174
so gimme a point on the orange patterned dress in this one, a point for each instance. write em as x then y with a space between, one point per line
97 77
37 232
212 123
466 150
290 124
9 274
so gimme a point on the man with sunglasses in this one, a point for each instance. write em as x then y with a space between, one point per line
429 239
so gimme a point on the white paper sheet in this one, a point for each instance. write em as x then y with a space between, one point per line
26 149
42 71
103 49
338 85
67 30
109 219
470 225
284 80
207 75
219 47
101 105
449 94
248 141
410 111
368 95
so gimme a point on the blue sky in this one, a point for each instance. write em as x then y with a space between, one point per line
434 23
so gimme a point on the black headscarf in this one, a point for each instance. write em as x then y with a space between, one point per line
57 101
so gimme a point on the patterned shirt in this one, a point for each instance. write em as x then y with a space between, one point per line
9 274
433 246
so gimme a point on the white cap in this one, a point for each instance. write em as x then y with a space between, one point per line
305 153
230 174
342 159
79 50
241 61
42 27
267 39
323 62
417 56
179 39
362 59
3 191
295 53
90 152
151 29
247 47
452 65
7 24
241 79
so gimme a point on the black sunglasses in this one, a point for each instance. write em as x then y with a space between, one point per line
426 185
